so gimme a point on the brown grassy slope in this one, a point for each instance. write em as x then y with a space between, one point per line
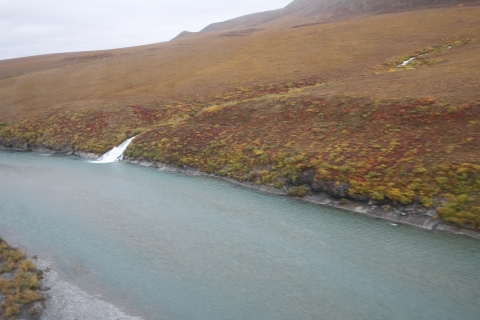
454 77
305 12
212 64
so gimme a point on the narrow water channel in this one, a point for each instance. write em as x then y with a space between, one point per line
160 245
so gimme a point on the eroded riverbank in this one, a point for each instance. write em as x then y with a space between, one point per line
413 215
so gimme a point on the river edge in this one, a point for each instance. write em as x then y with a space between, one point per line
413 215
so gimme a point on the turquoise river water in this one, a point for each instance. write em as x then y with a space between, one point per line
139 242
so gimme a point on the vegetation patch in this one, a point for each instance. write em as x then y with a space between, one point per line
19 285
298 191
426 57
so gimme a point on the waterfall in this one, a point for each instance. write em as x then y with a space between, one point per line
404 63
114 155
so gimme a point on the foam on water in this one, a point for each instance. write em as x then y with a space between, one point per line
114 155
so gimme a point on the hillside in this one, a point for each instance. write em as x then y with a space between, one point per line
317 97
301 13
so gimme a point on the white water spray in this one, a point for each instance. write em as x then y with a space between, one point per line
404 63
114 155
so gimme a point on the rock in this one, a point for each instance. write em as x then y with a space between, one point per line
431 213
7 276
305 177
86 155
23 147
338 190
3 146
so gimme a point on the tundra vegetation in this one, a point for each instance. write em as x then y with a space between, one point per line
298 102
19 285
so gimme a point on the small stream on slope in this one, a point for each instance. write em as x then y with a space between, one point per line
127 240
114 155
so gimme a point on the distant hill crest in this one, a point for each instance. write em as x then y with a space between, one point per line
318 11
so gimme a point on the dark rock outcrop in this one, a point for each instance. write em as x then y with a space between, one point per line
337 190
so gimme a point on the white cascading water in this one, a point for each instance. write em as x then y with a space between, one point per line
114 155
404 63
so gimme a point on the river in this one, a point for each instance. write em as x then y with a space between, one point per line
163 245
